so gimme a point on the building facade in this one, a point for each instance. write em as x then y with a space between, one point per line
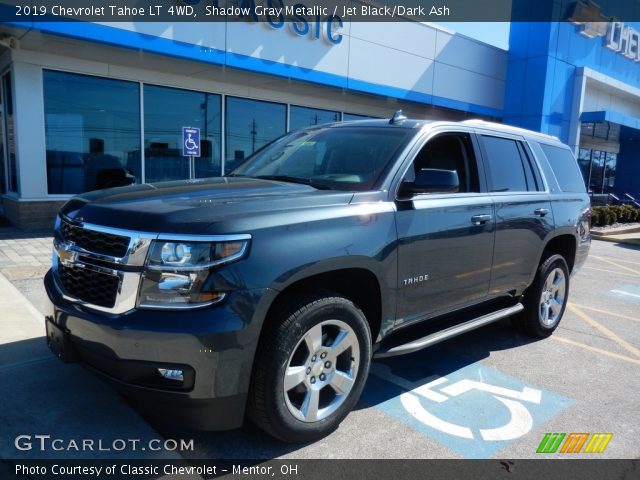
84 105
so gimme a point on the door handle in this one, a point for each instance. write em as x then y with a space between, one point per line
480 219
541 212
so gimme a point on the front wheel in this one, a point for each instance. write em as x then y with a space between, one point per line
310 368
546 299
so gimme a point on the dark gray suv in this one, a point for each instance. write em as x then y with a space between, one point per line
267 292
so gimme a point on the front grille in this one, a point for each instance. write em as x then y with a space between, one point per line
93 241
89 285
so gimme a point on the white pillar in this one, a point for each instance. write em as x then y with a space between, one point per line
579 88
29 127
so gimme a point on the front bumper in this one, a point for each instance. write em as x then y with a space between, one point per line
213 346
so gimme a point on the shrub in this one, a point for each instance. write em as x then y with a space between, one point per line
601 216
597 216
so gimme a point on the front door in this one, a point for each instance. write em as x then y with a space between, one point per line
445 239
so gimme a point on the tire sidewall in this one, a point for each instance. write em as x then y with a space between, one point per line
333 308
551 263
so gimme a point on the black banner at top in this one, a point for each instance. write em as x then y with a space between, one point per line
277 12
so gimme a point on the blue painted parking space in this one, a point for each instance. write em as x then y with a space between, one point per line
630 293
472 409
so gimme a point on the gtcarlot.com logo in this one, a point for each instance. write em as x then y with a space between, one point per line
573 442
49 443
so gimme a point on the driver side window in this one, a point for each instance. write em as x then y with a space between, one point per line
448 151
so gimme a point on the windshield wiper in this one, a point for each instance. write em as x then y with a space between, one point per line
303 181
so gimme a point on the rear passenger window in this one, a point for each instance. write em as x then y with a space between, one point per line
509 167
565 168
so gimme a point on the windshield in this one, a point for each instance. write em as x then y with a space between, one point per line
343 158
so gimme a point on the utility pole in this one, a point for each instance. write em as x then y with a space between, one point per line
253 132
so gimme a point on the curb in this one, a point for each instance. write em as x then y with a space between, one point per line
617 231
612 239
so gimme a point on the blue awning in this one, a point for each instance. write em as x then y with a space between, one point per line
611 116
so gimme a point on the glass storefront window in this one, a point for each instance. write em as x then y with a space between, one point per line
584 162
301 117
249 125
166 111
92 128
353 116
3 166
597 171
609 172
7 101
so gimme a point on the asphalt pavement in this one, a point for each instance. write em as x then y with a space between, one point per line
492 393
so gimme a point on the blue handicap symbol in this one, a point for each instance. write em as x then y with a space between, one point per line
472 409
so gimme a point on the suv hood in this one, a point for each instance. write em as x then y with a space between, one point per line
233 204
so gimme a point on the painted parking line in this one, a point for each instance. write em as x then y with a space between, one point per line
606 312
616 264
611 271
604 330
599 351
629 293
472 409
631 262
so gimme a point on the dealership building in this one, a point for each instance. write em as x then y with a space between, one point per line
84 105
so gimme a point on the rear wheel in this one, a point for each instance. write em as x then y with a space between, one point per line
546 299
311 368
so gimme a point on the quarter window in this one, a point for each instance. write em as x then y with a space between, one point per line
564 167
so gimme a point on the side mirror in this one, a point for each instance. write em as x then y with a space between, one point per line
432 180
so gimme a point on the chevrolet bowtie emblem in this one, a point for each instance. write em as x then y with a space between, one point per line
589 16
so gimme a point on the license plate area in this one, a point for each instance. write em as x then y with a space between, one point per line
59 343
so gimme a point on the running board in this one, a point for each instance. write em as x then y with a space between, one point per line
450 332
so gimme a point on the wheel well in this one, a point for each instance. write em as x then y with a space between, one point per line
358 285
564 245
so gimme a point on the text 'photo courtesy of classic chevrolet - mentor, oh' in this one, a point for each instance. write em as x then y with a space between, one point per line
265 294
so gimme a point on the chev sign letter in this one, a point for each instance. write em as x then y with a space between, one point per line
625 40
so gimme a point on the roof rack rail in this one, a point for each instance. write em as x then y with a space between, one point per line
509 128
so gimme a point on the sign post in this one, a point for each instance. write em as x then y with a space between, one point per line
191 146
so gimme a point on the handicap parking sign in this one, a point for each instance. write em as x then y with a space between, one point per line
472 409
190 142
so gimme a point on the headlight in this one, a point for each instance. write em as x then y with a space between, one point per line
170 255
175 271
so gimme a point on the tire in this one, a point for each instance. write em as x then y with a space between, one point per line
323 381
546 299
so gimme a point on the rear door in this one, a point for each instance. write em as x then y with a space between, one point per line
523 211
445 239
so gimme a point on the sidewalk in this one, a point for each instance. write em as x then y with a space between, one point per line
24 254
42 395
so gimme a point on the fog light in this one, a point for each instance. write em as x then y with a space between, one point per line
175 375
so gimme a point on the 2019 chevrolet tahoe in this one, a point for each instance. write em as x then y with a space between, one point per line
267 292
